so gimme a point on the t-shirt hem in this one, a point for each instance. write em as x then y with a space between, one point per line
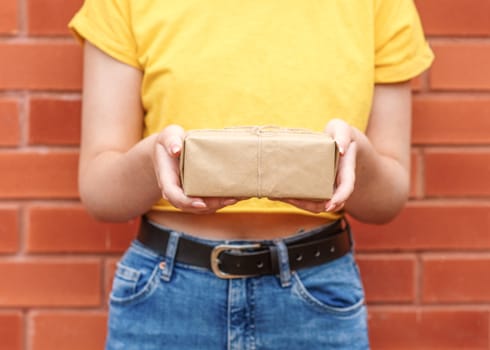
409 70
81 27
244 210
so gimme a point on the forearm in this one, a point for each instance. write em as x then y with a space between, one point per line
118 186
382 184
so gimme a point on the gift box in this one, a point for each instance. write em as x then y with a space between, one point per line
259 162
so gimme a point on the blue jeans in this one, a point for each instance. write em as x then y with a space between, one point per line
158 303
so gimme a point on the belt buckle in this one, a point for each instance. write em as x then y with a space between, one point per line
216 252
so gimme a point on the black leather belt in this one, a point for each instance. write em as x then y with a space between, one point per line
311 248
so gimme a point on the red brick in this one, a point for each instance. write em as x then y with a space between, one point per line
451 120
110 269
461 66
9 21
54 121
11 330
415 180
9 230
449 278
428 329
455 17
41 65
74 330
50 282
50 17
458 174
38 175
417 83
388 278
71 229
9 122
425 226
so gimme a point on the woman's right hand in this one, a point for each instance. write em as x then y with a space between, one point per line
167 151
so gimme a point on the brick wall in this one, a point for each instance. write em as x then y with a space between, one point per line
426 274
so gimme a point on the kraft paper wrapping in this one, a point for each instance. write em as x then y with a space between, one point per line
258 162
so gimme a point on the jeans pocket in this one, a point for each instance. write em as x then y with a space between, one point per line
335 287
134 279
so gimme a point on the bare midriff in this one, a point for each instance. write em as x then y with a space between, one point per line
236 226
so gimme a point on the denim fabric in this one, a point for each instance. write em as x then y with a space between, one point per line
158 303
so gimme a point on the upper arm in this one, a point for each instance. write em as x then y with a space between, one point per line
112 114
389 128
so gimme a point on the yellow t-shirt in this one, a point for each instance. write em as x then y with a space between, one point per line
291 63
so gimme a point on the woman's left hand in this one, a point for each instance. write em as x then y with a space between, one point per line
343 134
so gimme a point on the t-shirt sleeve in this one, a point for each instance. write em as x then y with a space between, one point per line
401 50
106 25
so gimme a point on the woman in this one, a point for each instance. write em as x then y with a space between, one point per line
155 69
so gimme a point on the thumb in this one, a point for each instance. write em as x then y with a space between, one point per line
173 139
341 133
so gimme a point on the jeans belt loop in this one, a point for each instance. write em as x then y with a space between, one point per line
172 245
283 262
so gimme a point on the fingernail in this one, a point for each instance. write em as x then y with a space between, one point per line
198 205
341 149
331 207
174 149
229 201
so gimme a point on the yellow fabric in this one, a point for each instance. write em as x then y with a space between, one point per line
221 63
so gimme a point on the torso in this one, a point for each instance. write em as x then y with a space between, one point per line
211 64
236 226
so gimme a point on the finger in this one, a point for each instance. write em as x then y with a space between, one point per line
160 154
169 177
341 133
167 148
334 207
311 206
168 143
216 203
172 189
173 139
213 204
346 177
